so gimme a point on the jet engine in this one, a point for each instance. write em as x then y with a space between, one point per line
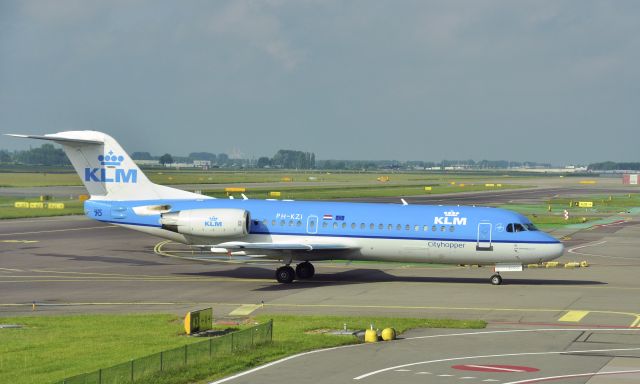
221 222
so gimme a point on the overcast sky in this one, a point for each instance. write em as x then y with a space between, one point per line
550 81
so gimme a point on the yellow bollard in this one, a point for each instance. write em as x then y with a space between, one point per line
584 264
33 306
388 334
370 336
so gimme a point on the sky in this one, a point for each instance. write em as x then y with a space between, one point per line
548 81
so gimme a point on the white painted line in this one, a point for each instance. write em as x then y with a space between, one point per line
58 230
488 356
549 378
495 368
467 378
403 370
423 373
488 380
573 250
481 333
445 375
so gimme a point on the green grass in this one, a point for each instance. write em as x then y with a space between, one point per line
550 214
52 348
9 211
49 349
40 179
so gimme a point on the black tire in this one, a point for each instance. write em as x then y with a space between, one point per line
285 274
496 280
305 270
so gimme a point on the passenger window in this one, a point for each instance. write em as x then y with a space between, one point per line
362 225
426 228
335 225
434 228
299 223
452 228
390 226
273 222
407 227
442 228
282 223
291 223
372 226
324 225
353 225
380 226
344 225
399 227
416 228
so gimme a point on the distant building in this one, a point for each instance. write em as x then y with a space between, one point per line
147 162
630 178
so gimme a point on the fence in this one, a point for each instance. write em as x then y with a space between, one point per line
200 352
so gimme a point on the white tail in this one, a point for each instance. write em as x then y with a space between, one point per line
106 169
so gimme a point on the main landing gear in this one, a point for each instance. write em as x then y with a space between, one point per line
496 279
286 274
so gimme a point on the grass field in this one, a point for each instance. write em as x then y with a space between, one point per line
550 214
9 211
48 349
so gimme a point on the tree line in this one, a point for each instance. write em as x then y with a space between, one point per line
613 166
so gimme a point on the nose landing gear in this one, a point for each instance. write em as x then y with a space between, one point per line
496 279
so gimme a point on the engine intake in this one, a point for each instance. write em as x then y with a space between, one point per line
208 222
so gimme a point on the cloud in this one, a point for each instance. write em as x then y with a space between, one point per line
256 24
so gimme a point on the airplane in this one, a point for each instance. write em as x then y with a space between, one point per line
299 232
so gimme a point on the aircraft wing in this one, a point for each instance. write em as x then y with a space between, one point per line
239 245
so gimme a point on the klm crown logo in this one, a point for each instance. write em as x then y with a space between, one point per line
450 218
111 160
110 172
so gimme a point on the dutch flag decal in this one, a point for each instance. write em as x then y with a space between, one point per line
327 217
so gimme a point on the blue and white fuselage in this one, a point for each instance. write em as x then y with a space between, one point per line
407 233
299 231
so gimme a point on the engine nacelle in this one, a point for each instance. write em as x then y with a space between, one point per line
221 222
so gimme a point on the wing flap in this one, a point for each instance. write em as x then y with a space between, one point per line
283 246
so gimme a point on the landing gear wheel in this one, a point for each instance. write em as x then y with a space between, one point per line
496 280
305 270
285 274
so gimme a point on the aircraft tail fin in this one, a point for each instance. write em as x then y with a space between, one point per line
106 169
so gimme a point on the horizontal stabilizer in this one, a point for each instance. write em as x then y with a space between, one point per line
57 138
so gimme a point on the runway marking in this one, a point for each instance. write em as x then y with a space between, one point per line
11 270
277 362
636 323
364 376
553 378
573 316
19 241
573 250
244 310
58 230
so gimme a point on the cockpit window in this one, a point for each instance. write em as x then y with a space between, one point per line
516 227
531 227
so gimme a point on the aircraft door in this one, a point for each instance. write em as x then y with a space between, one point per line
484 237
312 224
